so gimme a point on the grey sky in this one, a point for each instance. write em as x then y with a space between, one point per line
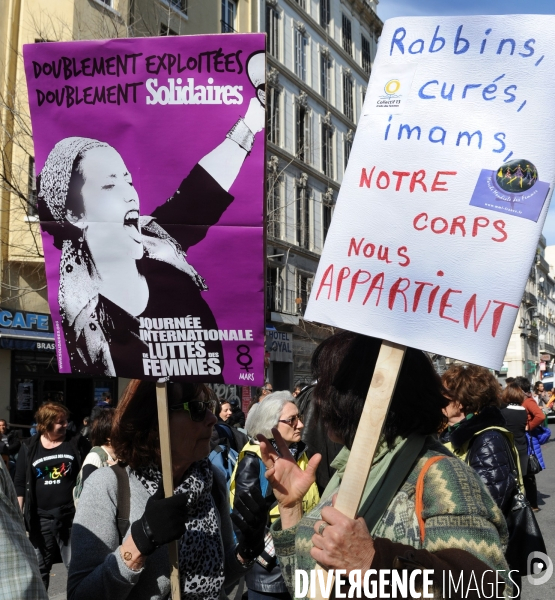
398 8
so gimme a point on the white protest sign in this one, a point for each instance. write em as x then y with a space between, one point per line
447 189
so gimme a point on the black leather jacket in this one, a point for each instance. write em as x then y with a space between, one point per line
488 453
12 446
247 477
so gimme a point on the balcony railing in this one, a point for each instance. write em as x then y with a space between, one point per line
530 299
533 331
542 263
285 301
226 27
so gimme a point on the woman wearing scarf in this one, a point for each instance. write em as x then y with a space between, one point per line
117 265
458 528
477 430
278 410
136 566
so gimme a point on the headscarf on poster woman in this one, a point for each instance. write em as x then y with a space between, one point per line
87 202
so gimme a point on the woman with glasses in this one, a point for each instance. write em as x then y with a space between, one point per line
108 563
264 581
46 471
421 508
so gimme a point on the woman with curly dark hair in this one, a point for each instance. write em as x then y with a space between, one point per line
420 506
198 515
477 429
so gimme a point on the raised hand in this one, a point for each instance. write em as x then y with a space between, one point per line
342 543
289 482
255 117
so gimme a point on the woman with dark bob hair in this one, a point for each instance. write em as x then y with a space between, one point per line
101 454
197 515
516 420
451 525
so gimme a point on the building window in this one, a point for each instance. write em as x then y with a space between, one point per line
301 43
107 3
181 5
327 150
303 133
366 55
347 147
304 285
272 31
327 211
346 35
325 75
165 30
301 3
274 205
273 99
325 13
229 14
274 290
32 209
303 214
348 96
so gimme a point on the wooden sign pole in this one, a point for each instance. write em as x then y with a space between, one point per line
167 479
374 413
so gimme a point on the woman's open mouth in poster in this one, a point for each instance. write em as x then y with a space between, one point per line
131 225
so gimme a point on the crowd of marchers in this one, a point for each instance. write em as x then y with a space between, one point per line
254 493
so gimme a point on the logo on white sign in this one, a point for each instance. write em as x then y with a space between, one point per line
393 89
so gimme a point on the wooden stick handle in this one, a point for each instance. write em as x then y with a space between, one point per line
167 480
374 414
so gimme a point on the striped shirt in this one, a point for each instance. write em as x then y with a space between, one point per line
19 571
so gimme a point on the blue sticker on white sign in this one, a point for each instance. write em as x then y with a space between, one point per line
514 189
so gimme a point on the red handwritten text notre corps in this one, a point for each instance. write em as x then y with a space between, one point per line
384 180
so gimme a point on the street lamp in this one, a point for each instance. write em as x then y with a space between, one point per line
524 335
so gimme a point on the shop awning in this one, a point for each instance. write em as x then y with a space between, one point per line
27 340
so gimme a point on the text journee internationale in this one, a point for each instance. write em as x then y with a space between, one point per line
177 346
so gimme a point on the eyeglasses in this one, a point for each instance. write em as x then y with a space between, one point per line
292 421
196 408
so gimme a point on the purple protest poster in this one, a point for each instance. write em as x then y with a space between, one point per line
149 156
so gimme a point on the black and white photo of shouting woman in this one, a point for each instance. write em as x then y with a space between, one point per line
118 265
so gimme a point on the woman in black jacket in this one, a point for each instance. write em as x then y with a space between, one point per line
516 419
476 429
276 412
46 471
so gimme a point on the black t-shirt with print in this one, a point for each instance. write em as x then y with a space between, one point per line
55 475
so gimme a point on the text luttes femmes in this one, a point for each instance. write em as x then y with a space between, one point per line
176 346
176 67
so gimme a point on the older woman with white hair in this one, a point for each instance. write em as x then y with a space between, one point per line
277 412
